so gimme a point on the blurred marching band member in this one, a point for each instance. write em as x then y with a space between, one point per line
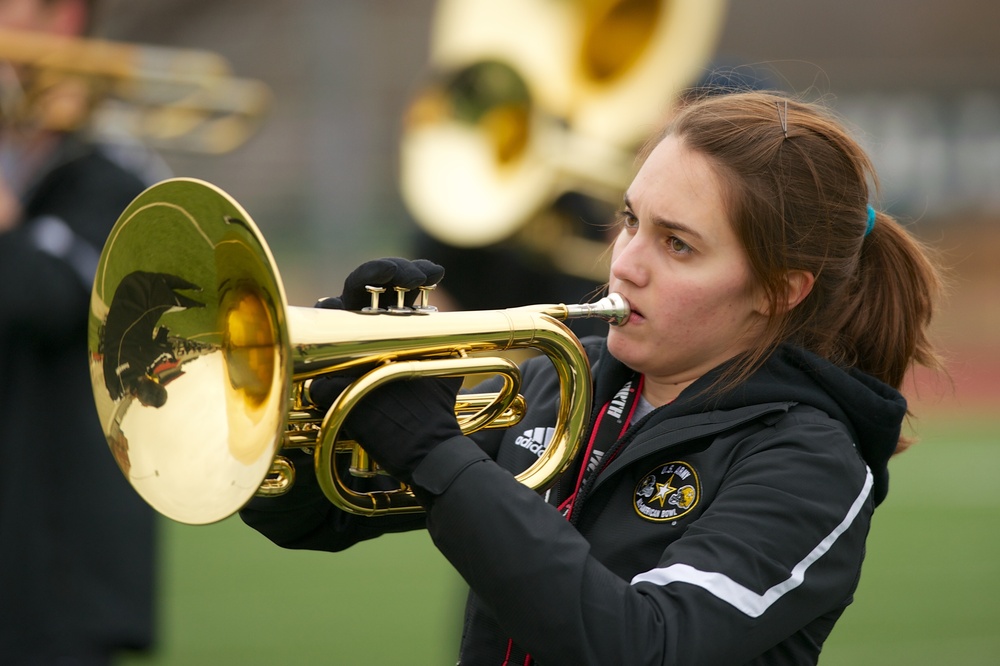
76 542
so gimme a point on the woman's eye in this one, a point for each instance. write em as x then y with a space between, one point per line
629 221
677 245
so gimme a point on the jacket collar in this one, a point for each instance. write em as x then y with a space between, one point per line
645 437
872 411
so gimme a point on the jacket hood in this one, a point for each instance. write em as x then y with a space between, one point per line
872 411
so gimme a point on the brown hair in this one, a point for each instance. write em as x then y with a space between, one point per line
798 190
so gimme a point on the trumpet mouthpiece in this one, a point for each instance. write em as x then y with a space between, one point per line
613 308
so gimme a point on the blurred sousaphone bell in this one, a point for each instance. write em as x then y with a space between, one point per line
530 99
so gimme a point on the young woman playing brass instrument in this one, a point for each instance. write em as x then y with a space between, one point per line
743 416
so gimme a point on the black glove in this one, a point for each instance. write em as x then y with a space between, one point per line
389 272
400 422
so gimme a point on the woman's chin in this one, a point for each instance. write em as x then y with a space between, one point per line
622 348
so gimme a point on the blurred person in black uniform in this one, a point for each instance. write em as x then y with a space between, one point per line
76 542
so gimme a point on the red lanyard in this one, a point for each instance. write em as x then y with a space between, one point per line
612 422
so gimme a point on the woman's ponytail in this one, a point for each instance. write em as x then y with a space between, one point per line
891 304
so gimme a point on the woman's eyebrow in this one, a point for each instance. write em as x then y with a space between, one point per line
666 224
670 225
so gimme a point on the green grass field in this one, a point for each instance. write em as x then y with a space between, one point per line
930 593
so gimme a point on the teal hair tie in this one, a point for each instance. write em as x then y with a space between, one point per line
871 220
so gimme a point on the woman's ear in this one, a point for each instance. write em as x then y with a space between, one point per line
798 284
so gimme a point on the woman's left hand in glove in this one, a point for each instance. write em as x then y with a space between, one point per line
399 423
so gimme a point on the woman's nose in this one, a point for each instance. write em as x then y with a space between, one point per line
627 262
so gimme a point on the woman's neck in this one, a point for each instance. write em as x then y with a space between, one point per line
659 393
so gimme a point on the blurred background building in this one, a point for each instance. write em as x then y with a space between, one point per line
918 79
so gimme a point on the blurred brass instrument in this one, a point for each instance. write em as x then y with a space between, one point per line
198 399
530 99
170 99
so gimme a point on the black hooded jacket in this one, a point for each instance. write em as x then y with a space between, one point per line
718 530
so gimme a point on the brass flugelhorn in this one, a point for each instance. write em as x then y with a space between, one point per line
168 98
201 370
